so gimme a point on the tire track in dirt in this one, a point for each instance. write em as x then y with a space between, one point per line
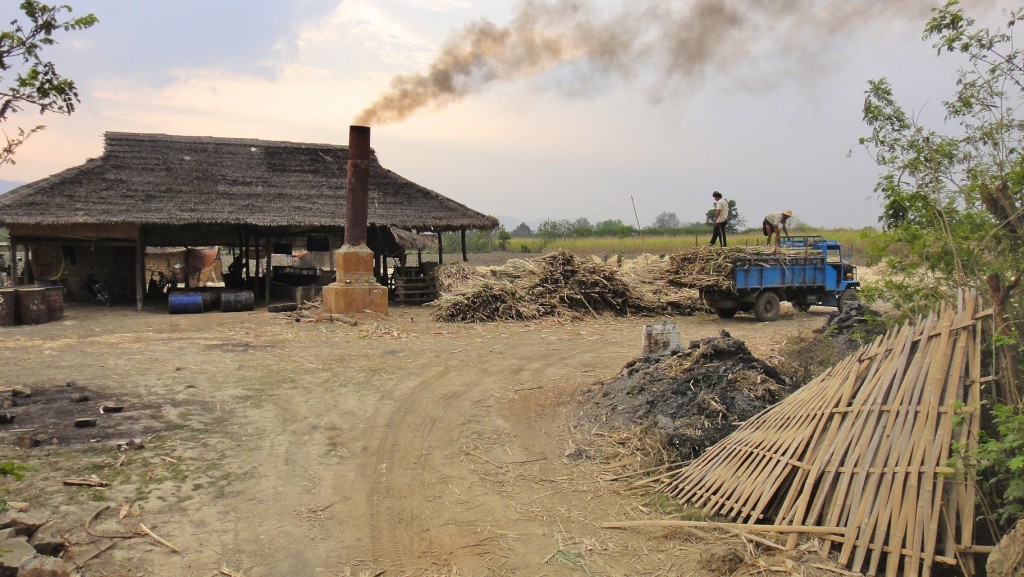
415 520
404 435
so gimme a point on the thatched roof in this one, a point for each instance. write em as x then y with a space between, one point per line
172 181
411 241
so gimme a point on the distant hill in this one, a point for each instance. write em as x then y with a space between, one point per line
6 185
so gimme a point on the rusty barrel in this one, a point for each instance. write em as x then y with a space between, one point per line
32 305
54 302
207 300
237 301
8 306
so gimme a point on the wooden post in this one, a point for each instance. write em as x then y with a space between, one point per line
465 257
440 250
140 268
28 269
12 253
256 247
245 254
269 270
184 267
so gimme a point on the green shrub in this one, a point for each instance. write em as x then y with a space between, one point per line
1001 462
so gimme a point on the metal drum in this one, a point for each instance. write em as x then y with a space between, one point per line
233 302
8 306
32 305
55 302
182 303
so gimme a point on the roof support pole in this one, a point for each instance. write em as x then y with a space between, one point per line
12 257
26 266
465 257
269 270
440 249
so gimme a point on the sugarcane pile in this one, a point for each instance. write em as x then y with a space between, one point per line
709 267
651 277
555 285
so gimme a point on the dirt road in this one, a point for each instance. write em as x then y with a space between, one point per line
278 448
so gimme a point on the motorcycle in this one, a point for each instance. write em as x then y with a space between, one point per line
99 292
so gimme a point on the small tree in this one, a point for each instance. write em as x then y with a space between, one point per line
502 236
37 84
613 228
666 220
522 231
581 227
551 229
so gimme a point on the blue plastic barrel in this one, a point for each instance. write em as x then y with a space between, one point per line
183 303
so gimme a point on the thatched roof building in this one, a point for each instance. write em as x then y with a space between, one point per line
199 190
163 190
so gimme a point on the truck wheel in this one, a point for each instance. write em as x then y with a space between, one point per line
725 312
848 296
766 307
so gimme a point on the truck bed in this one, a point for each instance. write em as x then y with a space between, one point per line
778 272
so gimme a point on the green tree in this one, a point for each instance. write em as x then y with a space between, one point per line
581 227
502 236
522 231
666 220
551 229
953 214
36 83
613 227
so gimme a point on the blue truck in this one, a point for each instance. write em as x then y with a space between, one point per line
809 271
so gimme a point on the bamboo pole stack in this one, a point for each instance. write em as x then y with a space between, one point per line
863 449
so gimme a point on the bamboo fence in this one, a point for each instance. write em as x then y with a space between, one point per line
861 454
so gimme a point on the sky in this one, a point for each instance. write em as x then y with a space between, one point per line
526 111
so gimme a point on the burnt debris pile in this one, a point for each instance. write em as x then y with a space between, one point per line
694 397
561 285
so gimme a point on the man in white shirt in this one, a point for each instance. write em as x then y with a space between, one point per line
721 218
775 224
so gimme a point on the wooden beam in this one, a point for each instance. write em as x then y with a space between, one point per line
269 270
140 269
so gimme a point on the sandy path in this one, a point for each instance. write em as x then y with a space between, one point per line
400 445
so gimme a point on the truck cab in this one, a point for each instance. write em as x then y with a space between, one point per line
840 281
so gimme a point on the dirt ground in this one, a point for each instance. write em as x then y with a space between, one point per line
400 446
